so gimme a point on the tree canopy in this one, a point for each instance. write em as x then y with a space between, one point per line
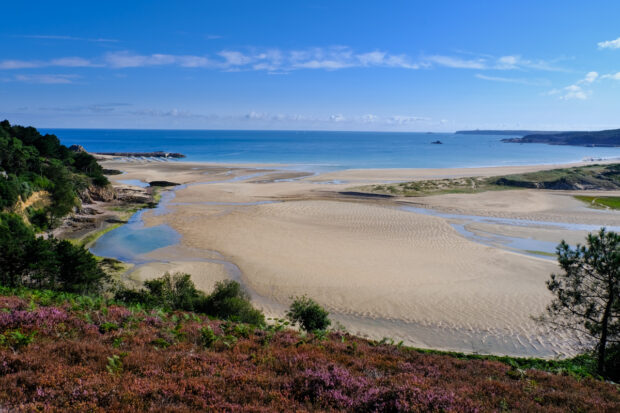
32 162
587 293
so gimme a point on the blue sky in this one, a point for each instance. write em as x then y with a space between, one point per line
335 65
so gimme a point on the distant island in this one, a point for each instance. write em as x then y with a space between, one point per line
503 132
600 138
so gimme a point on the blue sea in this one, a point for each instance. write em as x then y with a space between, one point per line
322 151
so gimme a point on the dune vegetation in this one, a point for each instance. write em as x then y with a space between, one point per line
593 177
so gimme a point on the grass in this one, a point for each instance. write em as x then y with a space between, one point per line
604 202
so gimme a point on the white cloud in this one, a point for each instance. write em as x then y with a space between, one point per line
44 79
56 37
610 44
71 62
18 64
337 118
458 63
574 92
284 61
614 76
401 120
235 58
521 81
590 77
516 62
580 90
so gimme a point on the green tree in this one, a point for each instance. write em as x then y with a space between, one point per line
309 314
176 291
587 292
15 238
78 270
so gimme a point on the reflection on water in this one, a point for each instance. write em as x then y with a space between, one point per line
129 241
133 182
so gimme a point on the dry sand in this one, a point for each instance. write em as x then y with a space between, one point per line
380 271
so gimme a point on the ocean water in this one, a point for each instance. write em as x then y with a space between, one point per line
322 151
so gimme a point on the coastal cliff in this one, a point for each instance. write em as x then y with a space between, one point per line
607 138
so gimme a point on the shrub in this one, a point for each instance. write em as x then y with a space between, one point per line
229 301
174 291
308 313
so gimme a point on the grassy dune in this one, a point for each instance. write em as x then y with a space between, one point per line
593 177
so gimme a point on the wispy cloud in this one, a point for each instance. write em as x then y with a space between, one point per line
284 61
94 108
508 62
610 44
57 37
458 63
60 62
43 79
521 81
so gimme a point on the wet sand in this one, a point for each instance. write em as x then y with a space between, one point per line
380 270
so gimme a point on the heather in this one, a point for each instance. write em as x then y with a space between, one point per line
66 352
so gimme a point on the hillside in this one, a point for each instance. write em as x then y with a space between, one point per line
31 163
62 352
600 138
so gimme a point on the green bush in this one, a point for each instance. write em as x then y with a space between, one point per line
174 291
308 313
229 301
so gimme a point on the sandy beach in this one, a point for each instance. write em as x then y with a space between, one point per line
382 271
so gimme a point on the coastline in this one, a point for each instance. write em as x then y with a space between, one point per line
416 279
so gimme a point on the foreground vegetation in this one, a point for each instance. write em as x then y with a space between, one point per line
67 352
594 177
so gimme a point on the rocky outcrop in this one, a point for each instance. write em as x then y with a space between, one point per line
98 193
77 148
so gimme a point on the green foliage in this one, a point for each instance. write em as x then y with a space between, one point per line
31 162
229 301
115 365
27 260
177 292
308 313
16 339
587 292
208 337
